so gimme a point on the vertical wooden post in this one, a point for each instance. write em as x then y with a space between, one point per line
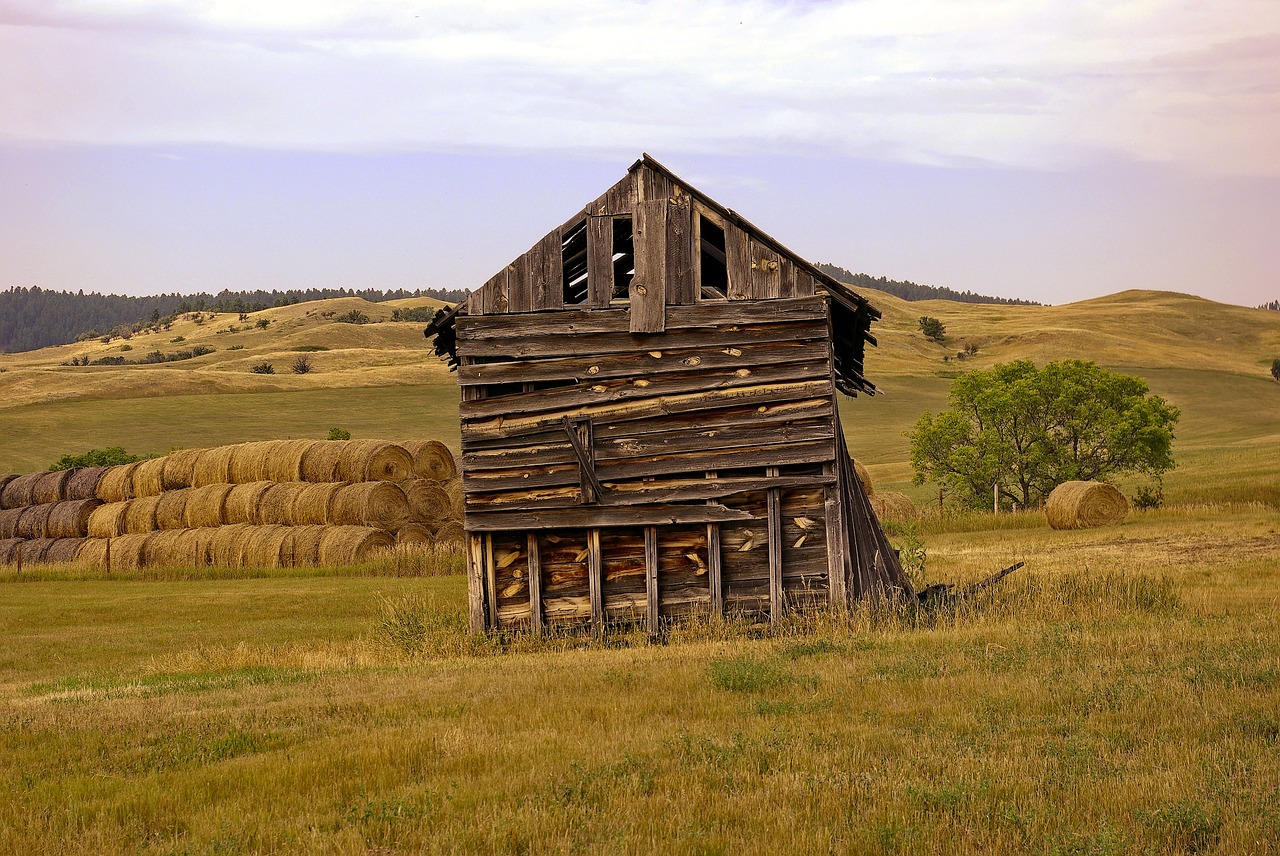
775 549
714 580
837 563
107 558
475 584
651 576
995 497
491 582
595 581
535 585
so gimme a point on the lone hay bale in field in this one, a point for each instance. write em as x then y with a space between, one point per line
431 459
93 552
373 503
140 516
180 468
242 502
306 545
285 462
213 466
63 551
865 477
893 507
83 483
50 487
116 484
1085 505
373 460
9 550
320 461
276 504
312 503
171 509
70 519
107 521
9 523
348 545
227 545
206 506
451 533
428 501
17 492
148 478
414 533
34 522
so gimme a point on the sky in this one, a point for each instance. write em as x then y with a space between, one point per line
1052 150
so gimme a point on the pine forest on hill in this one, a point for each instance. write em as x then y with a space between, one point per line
908 290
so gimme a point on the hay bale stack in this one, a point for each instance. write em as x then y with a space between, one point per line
34 521
312 503
50 487
893 507
34 550
70 519
227 545
83 483
171 509
9 550
265 546
320 461
4 481
116 484
17 492
372 503
213 466
428 501
1085 505
347 545
107 521
306 545
285 462
148 478
414 533
457 499
128 552
9 523
63 551
140 516
864 477
431 459
242 502
276 505
451 533
180 468
206 506
93 552
373 460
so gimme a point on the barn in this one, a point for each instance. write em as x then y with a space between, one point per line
649 423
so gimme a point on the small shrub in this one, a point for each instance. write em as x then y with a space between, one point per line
419 314
126 347
235 347
201 350
111 456
1149 497
153 357
747 674
911 551
176 339
328 313
262 323
1275 368
404 623
108 361
244 316
355 316
263 368
933 329
970 349
338 434
301 365
105 340
310 349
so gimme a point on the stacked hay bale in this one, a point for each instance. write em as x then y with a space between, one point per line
275 503
1085 505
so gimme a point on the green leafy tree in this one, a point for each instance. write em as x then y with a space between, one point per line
339 434
1026 430
933 329
108 457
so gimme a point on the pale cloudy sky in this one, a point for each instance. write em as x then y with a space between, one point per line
1053 150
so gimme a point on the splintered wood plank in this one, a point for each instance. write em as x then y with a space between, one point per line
652 185
713 569
648 286
595 580
475 583
804 283
682 287
548 288
519 290
766 270
787 282
535 585
599 261
837 562
651 577
737 253
491 582
775 549
621 198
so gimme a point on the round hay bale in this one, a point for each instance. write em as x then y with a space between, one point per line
9 523
864 477
50 487
312 503
34 550
226 546
285 463
17 493
93 552
414 533
9 550
70 519
452 533
34 522
213 466
173 548
431 459
428 501
373 460
206 506
171 509
201 541
140 516
4 480
116 484
306 545
180 468
348 545
83 483
893 507
320 461
276 505
148 478
249 461
372 503
242 502
128 552
457 498
1085 505
63 551
265 545
107 520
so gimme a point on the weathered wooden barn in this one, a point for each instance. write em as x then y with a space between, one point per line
649 422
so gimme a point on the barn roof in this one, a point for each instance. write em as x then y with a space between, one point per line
851 314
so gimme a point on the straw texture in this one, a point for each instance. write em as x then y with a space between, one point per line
83 483
320 462
347 545
242 502
108 520
180 468
213 466
34 521
373 460
116 484
70 519
206 506
9 523
148 477
428 501
431 459
17 492
893 507
9 548
1085 505
380 504
171 509
50 487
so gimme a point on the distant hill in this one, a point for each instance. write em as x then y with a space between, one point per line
32 318
908 290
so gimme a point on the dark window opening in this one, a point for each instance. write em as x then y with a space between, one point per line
574 254
715 270
624 258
